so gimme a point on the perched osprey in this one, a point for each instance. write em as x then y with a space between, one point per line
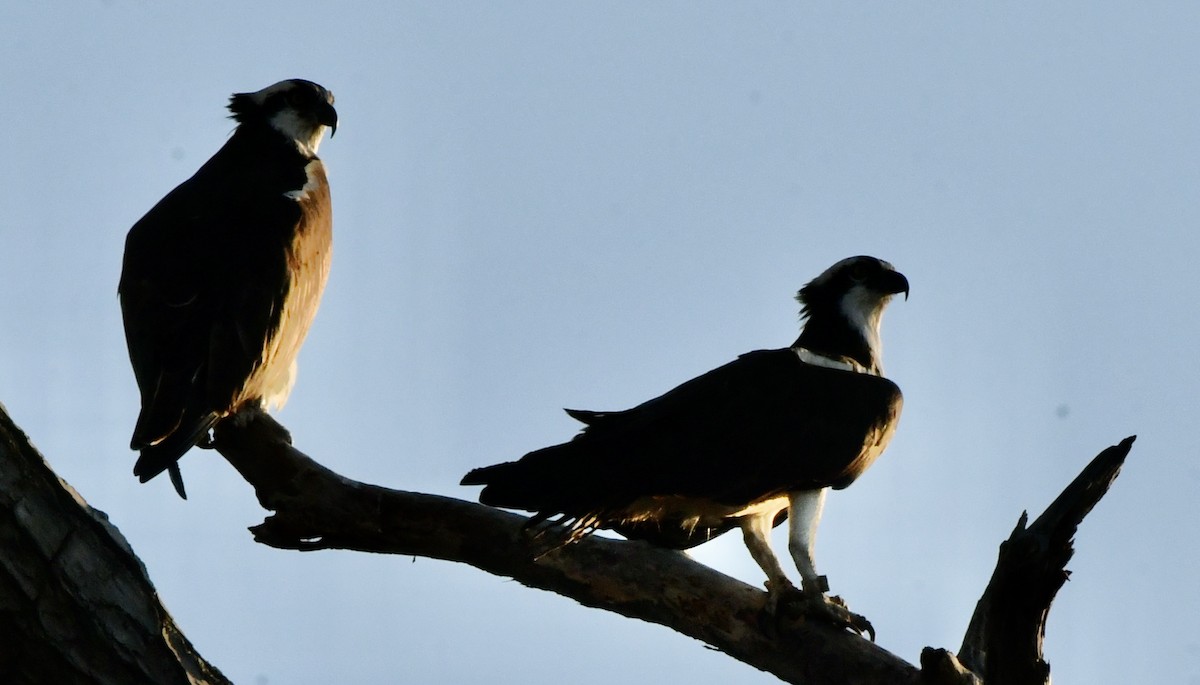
746 445
222 278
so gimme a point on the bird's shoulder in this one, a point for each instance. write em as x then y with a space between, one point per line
249 172
239 197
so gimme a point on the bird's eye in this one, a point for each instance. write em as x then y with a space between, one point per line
860 272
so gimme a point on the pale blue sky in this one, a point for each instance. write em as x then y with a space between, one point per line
541 205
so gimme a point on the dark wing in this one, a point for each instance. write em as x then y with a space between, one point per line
761 425
195 321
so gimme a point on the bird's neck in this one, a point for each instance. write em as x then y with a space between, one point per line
834 336
267 142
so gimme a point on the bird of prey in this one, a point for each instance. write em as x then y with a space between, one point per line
745 445
221 279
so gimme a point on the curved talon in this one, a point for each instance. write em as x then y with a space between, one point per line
787 603
860 625
839 614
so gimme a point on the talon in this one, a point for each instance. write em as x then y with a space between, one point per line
787 603
776 593
781 594
856 622
838 614
864 627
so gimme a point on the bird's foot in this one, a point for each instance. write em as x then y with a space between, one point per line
837 613
787 603
779 594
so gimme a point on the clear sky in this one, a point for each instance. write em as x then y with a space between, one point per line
543 204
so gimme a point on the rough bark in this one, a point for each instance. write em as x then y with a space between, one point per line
76 605
315 508
318 509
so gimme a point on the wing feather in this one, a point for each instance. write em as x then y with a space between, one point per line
764 424
202 282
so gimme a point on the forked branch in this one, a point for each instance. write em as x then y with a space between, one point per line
1004 639
60 558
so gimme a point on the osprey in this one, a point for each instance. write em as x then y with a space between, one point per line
746 445
222 278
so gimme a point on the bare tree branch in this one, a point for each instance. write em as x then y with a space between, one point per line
82 609
1004 639
317 509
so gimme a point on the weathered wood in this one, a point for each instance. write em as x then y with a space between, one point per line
1003 642
76 605
942 667
318 509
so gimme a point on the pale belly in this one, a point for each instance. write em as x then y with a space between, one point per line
695 513
308 261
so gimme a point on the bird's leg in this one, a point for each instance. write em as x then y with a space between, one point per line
756 532
804 515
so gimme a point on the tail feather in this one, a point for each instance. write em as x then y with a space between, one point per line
482 475
164 455
556 520
546 485
177 479
505 485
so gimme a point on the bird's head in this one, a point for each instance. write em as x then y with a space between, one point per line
850 296
298 109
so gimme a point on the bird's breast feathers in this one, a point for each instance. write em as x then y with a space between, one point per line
698 512
308 258
314 182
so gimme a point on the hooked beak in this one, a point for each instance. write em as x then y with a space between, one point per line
327 116
892 283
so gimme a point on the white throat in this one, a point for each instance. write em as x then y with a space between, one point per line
306 136
864 311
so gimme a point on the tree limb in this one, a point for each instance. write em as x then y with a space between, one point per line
1004 639
82 609
76 605
318 509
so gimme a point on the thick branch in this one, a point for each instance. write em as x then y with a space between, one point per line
1004 639
76 605
317 509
